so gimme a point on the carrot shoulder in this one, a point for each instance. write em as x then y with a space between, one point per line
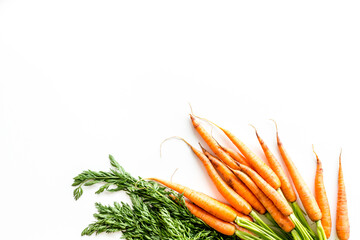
342 218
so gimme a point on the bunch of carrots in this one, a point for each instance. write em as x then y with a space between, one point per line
253 188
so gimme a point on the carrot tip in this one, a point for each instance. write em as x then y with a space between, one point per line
191 109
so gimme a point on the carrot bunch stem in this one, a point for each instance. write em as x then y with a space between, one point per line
300 216
320 230
301 229
279 231
263 233
295 235
246 236
259 221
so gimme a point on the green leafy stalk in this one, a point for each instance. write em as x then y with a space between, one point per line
153 214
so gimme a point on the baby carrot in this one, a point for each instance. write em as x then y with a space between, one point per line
307 199
235 183
342 218
321 197
255 162
216 223
213 144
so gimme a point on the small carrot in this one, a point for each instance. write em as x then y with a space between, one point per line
235 183
283 221
321 197
306 197
270 192
275 165
213 144
342 218
216 223
209 204
255 162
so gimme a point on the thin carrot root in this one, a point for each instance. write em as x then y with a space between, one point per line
173 137
321 197
342 218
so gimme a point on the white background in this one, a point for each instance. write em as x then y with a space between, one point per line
83 79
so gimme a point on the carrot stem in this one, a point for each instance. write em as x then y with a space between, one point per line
259 221
256 229
302 230
300 216
246 236
295 235
320 230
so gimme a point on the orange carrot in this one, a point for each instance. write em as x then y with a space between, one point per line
342 218
235 155
270 192
235 183
255 162
321 197
283 221
275 165
209 204
213 144
306 197
216 223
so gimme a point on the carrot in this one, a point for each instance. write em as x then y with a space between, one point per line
275 165
216 223
213 144
235 155
283 221
270 192
255 162
235 183
342 218
307 199
209 204
321 197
